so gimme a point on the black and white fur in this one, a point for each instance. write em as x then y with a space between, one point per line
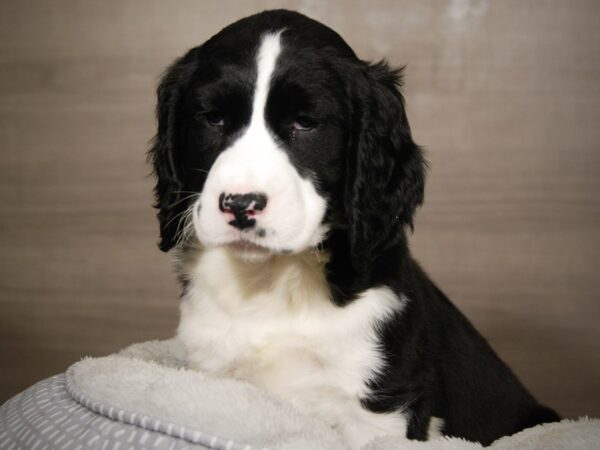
287 175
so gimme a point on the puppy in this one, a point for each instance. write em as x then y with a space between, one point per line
286 179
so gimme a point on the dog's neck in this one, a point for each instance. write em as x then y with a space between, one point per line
298 279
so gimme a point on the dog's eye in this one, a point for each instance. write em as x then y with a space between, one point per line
214 118
304 124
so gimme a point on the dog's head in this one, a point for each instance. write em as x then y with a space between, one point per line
273 136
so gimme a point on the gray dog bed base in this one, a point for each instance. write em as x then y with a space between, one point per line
145 398
48 416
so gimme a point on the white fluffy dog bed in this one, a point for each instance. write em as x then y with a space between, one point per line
144 397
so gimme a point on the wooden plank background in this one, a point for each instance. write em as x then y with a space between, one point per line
504 96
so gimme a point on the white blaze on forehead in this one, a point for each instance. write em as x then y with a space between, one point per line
268 52
256 162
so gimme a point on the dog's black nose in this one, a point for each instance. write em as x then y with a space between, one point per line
243 207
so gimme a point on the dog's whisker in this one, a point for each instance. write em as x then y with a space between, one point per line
186 198
176 217
199 170
187 229
185 192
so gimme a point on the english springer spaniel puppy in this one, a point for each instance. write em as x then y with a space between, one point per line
286 179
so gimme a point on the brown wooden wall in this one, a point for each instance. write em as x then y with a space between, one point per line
504 96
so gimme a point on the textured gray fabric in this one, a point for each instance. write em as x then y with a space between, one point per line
144 398
45 416
151 379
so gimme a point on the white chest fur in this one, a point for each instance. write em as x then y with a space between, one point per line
273 325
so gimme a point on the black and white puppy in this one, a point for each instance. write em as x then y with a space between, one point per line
287 175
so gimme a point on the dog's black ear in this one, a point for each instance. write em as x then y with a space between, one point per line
385 173
168 192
